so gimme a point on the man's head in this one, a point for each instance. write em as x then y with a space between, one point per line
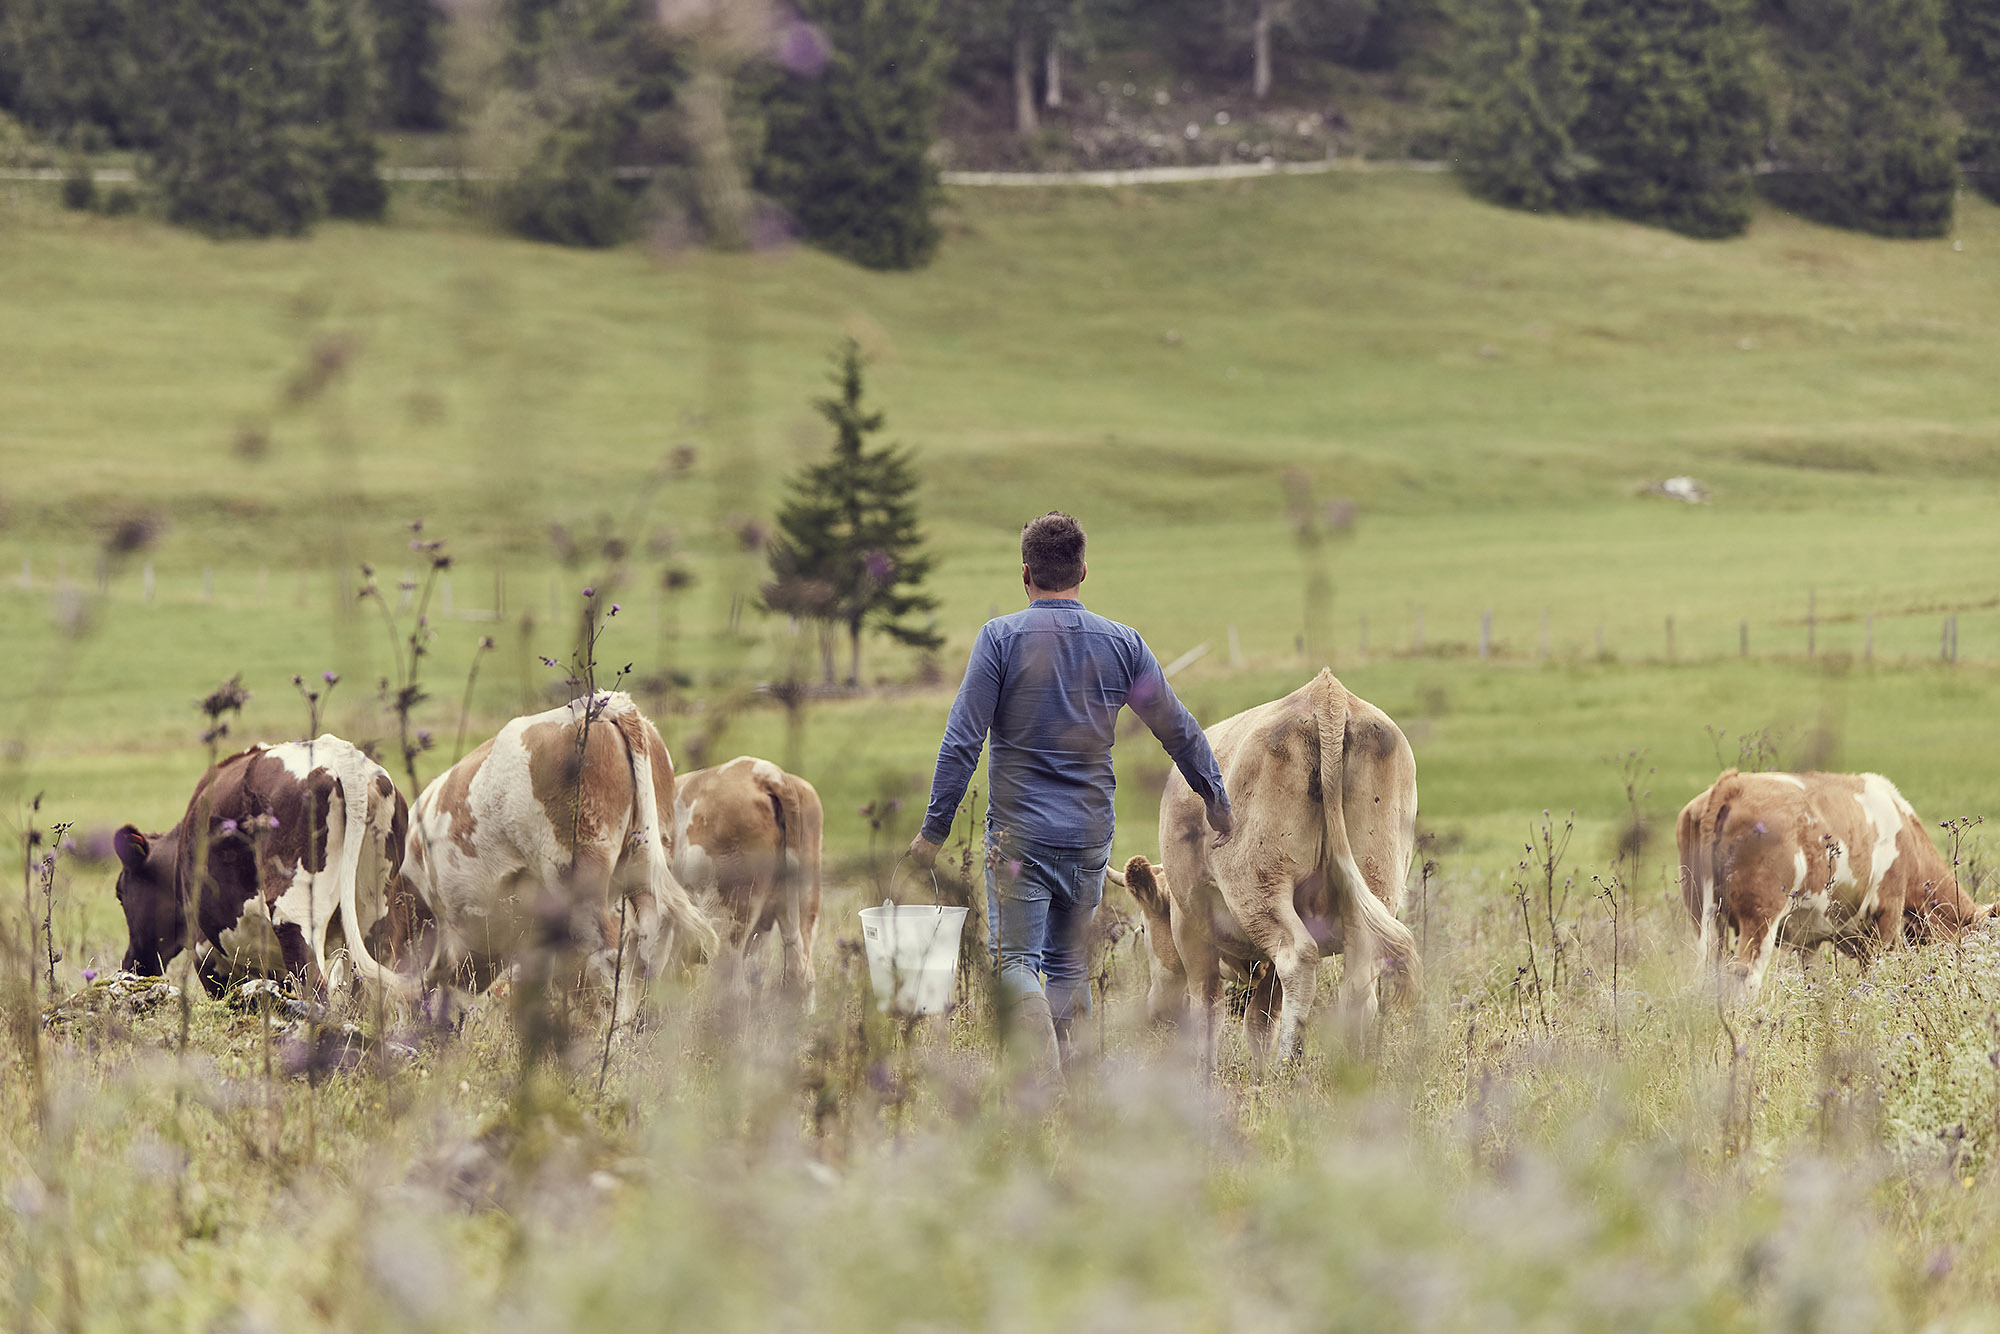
1052 553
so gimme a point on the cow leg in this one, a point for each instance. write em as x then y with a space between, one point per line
798 974
1202 967
1272 925
1257 1018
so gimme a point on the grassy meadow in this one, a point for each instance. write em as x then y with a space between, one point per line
203 443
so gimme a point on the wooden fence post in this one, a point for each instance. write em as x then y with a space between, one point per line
1743 639
1812 621
1486 633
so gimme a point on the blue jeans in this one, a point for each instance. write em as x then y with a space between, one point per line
1039 904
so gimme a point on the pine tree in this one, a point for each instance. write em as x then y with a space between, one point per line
849 553
1521 86
1673 116
848 150
1862 139
1972 31
237 146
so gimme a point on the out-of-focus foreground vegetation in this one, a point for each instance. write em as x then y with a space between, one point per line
1433 406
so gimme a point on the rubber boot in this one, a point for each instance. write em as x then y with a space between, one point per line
1032 1034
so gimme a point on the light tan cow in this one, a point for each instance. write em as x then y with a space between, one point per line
540 838
1303 877
747 847
1807 859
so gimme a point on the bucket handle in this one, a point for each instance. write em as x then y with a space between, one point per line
937 891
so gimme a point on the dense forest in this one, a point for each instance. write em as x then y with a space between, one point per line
582 121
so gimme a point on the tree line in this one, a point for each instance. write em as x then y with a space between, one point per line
254 117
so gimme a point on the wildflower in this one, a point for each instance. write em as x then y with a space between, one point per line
228 826
614 609
89 976
589 592
424 737
331 678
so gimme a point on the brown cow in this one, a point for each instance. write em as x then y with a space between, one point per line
1304 877
543 835
297 837
1811 858
747 846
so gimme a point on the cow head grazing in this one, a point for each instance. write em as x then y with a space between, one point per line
155 923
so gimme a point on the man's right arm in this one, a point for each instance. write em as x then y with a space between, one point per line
964 736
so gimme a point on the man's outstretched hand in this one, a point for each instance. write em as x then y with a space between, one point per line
1223 822
923 852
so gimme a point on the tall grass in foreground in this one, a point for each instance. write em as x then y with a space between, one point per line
1830 1167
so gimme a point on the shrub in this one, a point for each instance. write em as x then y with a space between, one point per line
79 189
1521 86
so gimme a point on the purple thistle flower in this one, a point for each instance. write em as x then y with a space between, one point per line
271 821
802 49
89 975
228 826
589 592
614 609
331 678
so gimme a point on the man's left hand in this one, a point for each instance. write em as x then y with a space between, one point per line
923 852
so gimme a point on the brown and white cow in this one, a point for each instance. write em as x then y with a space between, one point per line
538 839
1807 859
277 844
747 847
1303 877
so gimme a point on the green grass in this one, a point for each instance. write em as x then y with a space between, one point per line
1491 390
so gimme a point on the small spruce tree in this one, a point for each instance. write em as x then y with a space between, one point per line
849 552
848 147
1862 138
409 52
1674 114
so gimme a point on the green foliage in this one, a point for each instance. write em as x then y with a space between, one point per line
79 189
75 67
1647 109
582 76
237 147
1972 32
350 158
408 53
1675 114
848 149
1979 153
849 550
1522 84
1862 137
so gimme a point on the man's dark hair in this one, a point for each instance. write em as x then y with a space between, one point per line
1052 549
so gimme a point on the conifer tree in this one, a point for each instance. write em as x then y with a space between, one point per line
849 551
1674 115
848 148
408 52
1521 87
237 146
1972 31
350 159
1862 137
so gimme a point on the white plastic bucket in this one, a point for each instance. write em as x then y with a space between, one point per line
912 956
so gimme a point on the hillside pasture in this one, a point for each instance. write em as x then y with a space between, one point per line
205 442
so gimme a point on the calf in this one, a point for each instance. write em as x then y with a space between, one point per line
1325 790
277 844
541 837
747 839
1811 858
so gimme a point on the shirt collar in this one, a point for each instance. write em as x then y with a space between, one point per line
1057 602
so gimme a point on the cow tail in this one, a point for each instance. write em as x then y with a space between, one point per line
357 791
668 892
1360 909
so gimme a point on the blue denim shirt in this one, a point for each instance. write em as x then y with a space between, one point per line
1048 682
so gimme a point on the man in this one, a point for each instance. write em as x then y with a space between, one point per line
1048 683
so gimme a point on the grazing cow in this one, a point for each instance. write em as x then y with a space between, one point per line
541 836
1811 858
1325 790
746 846
277 843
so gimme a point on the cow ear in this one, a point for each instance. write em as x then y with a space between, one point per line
131 847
